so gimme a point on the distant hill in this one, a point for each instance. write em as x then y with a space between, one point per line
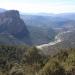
54 20
12 24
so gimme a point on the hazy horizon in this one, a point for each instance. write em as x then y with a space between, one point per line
40 6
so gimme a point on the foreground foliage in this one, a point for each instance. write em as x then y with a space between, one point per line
25 60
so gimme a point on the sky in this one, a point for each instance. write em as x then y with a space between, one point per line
39 6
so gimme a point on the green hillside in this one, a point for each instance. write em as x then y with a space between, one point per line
41 35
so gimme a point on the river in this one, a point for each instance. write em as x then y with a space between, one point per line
58 39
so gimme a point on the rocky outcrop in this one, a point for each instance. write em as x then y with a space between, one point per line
11 23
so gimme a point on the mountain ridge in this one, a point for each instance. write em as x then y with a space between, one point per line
10 22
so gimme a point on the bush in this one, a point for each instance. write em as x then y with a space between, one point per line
52 68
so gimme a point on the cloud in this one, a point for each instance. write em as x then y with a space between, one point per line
39 7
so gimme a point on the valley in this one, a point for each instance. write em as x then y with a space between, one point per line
40 44
58 39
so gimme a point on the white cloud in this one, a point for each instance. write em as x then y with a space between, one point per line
31 7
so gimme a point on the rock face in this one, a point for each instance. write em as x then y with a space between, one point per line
11 23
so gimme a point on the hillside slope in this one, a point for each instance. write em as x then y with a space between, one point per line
12 24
